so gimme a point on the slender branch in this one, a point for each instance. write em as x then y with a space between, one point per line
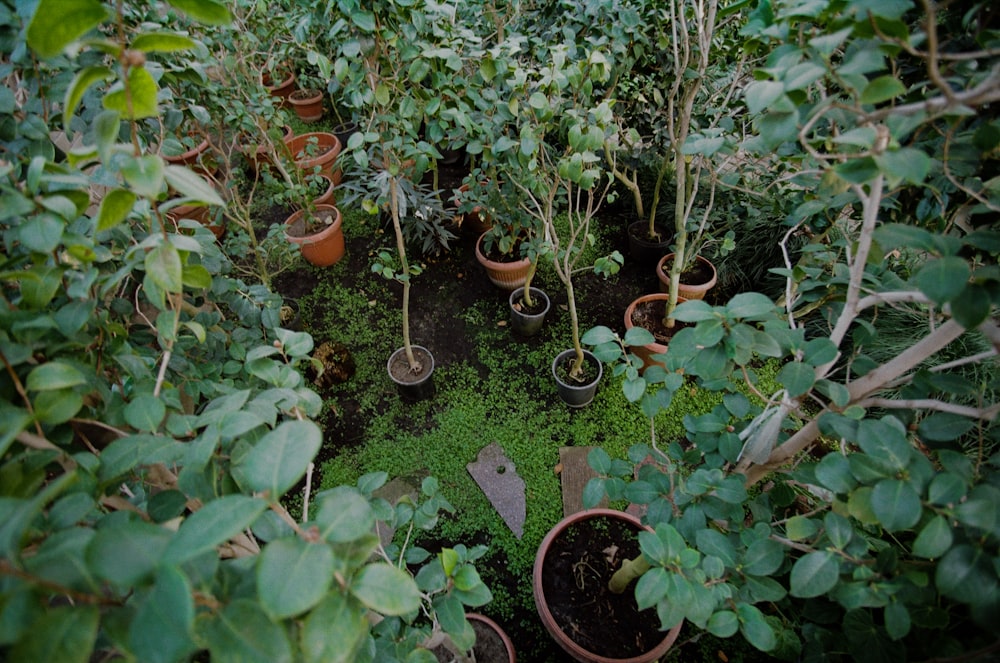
932 404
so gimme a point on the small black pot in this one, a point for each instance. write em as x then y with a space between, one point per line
416 387
644 251
577 395
344 131
527 324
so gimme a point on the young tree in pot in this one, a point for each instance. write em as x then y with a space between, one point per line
570 179
860 484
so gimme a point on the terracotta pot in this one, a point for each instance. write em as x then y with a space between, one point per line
412 387
257 153
647 351
572 393
505 275
485 621
282 90
322 153
643 250
554 629
307 104
324 248
476 221
686 290
527 324
327 198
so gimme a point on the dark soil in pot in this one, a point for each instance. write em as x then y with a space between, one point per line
649 315
489 647
310 224
575 579
696 274
587 375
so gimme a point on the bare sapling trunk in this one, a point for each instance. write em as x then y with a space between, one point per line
404 268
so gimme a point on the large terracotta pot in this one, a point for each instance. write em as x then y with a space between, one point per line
647 351
686 289
325 247
307 104
282 90
505 275
308 154
549 620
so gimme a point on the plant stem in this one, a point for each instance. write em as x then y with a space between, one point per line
404 267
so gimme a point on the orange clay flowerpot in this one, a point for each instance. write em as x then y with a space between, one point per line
324 247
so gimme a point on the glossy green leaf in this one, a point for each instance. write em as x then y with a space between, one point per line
814 574
971 306
212 525
838 529
145 412
882 89
944 427
242 633
943 279
906 164
386 589
715 543
115 207
981 510
293 575
755 628
42 233
209 12
54 375
857 171
162 42
144 173
800 528
896 504
934 539
966 572
128 552
163 266
163 627
58 23
62 633
335 630
834 472
141 99
598 335
343 514
897 620
761 95
85 78
723 624
280 458
763 557
797 378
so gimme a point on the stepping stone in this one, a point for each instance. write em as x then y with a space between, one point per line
575 474
497 478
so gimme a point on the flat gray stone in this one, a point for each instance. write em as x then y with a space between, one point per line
574 475
498 479
392 492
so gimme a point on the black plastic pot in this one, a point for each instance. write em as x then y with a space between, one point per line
644 251
575 394
527 324
411 388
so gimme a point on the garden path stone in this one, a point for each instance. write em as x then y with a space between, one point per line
575 473
496 476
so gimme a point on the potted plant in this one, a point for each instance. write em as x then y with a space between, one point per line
307 100
821 487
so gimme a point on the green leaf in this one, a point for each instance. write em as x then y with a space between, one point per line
212 525
82 82
896 504
906 164
598 335
797 378
760 95
882 89
145 412
162 42
966 572
64 633
897 620
944 427
42 233
750 306
343 514
838 529
335 630
140 102
800 528
58 23
943 279
981 509
115 208
190 185
857 171
127 553
209 12
814 574
972 306
763 557
53 375
144 174
163 627
163 265
934 539
242 633
279 459
293 575
834 472
386 589
755 628
723 624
